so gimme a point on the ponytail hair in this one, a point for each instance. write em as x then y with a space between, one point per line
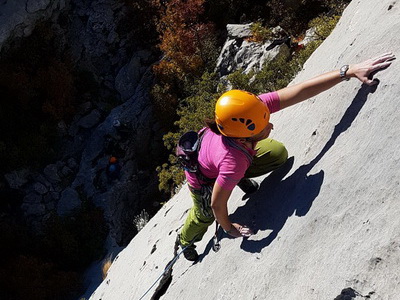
210 123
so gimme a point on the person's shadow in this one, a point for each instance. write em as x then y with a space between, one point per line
276 200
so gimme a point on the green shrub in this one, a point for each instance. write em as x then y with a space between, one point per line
260 34
192 111
165 102
324 25
278 73
335 7
241 81
274 75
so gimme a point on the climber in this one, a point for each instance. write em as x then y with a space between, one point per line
235 147
113 169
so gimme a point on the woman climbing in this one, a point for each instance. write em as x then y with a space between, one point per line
235 147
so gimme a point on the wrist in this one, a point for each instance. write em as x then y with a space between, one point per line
230 230
344 72
350 72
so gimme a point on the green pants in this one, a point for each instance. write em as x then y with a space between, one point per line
270 155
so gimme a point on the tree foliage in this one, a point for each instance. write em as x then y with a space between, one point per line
294 16
192 112
324 25
184 37
138 21
260 33
188 46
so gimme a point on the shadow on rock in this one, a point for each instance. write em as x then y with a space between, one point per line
277 200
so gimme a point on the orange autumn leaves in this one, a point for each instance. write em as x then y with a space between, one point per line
183 39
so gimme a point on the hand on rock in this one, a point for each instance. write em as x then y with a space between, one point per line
363 70
246 231
238 230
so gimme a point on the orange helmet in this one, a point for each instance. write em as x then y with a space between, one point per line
240 114
113 159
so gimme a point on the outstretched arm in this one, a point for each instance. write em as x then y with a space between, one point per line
309 88
219 205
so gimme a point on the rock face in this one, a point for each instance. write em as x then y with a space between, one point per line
64 185
88 30
19 17
327 224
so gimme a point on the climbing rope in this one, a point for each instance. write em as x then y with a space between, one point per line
216 247
169 266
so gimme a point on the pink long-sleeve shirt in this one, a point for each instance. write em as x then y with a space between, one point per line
218 160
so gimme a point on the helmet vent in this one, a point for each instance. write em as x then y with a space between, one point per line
251 127
265 115
247 122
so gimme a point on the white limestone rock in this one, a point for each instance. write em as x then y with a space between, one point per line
238 31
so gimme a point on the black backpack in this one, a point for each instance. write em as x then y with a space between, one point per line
187 152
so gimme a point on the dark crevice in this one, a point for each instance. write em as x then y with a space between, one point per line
347 294
167 211
351 294
167 276
163 286
154 248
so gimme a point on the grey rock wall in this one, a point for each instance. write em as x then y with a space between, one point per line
18 17
88 30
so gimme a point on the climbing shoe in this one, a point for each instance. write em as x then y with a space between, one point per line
248 186
189 252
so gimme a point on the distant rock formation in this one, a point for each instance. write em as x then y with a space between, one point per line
129 131
19 17
238 53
